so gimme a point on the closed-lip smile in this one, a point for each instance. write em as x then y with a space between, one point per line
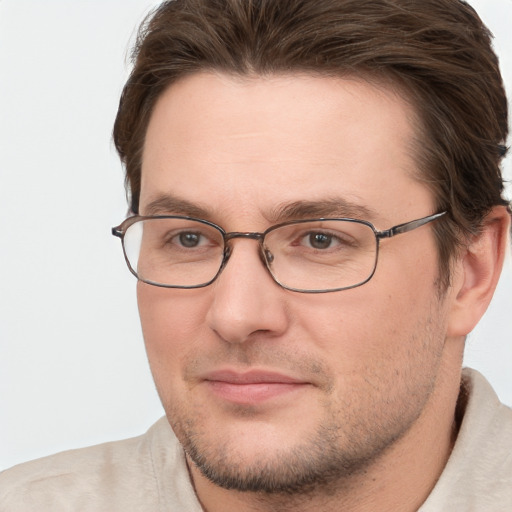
251 387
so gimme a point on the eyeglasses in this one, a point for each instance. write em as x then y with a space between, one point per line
309 256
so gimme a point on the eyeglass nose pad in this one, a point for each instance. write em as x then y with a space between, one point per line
227 254
266 256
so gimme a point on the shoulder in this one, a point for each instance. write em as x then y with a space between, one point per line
478 475
111 476
487 423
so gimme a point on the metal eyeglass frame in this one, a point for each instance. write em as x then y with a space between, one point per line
119 231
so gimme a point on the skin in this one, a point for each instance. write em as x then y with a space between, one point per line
367 421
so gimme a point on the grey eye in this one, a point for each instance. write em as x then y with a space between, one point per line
189 239
320 240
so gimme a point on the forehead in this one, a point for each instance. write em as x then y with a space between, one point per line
248 145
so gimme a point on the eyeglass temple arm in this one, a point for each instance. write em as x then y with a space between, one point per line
408 226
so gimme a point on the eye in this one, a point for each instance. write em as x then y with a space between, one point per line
190 239
319 240
322 240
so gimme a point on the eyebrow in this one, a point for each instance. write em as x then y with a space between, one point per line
166 204
333 207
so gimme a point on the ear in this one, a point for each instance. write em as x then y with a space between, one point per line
477 271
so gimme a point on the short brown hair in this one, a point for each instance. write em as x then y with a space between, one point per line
437 51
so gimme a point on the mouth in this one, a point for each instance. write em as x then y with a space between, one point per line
253 387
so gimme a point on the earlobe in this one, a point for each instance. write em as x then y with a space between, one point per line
477 272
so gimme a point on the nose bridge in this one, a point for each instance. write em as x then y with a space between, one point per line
248 235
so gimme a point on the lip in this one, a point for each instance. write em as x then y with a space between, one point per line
252 387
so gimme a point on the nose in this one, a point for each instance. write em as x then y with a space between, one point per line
246 301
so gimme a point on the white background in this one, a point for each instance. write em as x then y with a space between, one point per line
73 371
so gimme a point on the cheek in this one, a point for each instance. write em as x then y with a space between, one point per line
379 323
172 324
382 349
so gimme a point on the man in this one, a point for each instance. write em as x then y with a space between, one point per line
318 223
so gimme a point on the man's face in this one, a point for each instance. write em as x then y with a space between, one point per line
269 389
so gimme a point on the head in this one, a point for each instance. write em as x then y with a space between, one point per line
248 113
